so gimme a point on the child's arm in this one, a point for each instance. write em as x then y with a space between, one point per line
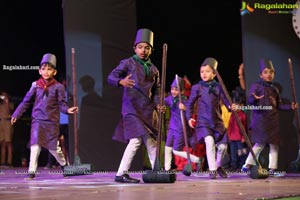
190 106
291 106
254 94
24 105
242 76
117 74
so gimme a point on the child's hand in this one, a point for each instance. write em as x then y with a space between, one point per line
257 97
13 120
127 82
192 123
295 105
161 108
234 107
182 106
72 110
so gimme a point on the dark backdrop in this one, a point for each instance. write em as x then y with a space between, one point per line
102 32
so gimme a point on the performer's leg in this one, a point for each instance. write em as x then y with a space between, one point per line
128 155
9 153
35 151
3 152
150 143
59 155
183 154
221 152
257 148
273 156
210 152
168 157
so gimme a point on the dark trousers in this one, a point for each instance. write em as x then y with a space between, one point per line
235 158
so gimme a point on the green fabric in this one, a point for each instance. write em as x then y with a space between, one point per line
176 99
145 63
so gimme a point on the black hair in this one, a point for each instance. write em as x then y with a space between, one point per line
238 95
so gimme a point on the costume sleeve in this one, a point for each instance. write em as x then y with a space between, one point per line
254 89
224 99
62 100
282 106
26 102
168 100
191 101
117 74
156 88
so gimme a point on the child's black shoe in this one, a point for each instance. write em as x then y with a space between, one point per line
30 176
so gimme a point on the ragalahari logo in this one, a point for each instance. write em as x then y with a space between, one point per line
246 9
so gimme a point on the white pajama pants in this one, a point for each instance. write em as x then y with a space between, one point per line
273 155
131 150
35 151
214 159
183 154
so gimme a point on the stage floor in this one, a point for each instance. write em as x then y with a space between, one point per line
50 184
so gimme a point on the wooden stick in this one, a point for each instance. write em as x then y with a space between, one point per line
294 98
161 103
183 123
247 140
75 103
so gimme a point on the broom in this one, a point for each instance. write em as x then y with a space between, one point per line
295 165
77 168
188 168
156 175
256 171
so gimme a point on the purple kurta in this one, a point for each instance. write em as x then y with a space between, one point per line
209 115
45 113
265 118
175 137
139 102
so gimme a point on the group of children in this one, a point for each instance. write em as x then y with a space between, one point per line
206 98
140 80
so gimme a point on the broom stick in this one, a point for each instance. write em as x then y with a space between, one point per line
157 164
297 161
77 168
188 167
76 157
247 140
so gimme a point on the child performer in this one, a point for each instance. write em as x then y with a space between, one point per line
175 138
209 124
265 122
48 98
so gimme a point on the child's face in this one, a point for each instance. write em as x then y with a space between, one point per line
267 74
174 91
207 73
47 72
143 50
